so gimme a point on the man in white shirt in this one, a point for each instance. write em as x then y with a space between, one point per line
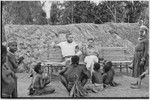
67 47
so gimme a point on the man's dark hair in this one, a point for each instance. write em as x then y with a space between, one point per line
68 34
75 60
37 67
96 66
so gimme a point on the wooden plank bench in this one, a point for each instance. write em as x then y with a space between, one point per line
118 55
54 59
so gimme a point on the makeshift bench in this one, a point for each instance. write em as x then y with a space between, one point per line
118 55
54 61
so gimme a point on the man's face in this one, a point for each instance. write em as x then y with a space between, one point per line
90 42
13 47
69 38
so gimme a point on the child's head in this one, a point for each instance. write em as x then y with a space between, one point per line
96 67
12 46
107 66
75 60
4 54
38 68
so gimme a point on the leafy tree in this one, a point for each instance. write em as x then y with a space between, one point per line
54 13
22 12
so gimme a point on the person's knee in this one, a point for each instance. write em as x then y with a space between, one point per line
48 81
63 80
84 81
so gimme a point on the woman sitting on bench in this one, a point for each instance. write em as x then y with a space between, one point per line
91 53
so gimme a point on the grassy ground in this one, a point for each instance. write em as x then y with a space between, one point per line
122 90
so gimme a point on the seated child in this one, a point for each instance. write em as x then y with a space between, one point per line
7 81
39 82
97 79
108 75
97 74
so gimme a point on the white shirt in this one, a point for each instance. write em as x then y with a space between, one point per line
90 60
68 49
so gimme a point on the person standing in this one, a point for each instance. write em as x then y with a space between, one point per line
12 62
141 56
7 78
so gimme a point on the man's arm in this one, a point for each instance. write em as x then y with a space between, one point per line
54 44
146 50
41 81
5 73
13 61
63 71
4 77
20 60
85 71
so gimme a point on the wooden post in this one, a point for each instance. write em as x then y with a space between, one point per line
48 51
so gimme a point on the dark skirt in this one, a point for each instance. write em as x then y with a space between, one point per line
138 69
74 88
77 90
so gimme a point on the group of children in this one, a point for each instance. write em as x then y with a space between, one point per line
100 76
94 81
103 77
40 79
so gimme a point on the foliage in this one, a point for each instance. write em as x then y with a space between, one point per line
31 12
105 11
22 12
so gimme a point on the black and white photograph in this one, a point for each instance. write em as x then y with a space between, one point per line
92 49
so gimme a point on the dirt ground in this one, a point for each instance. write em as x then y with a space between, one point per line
122 90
